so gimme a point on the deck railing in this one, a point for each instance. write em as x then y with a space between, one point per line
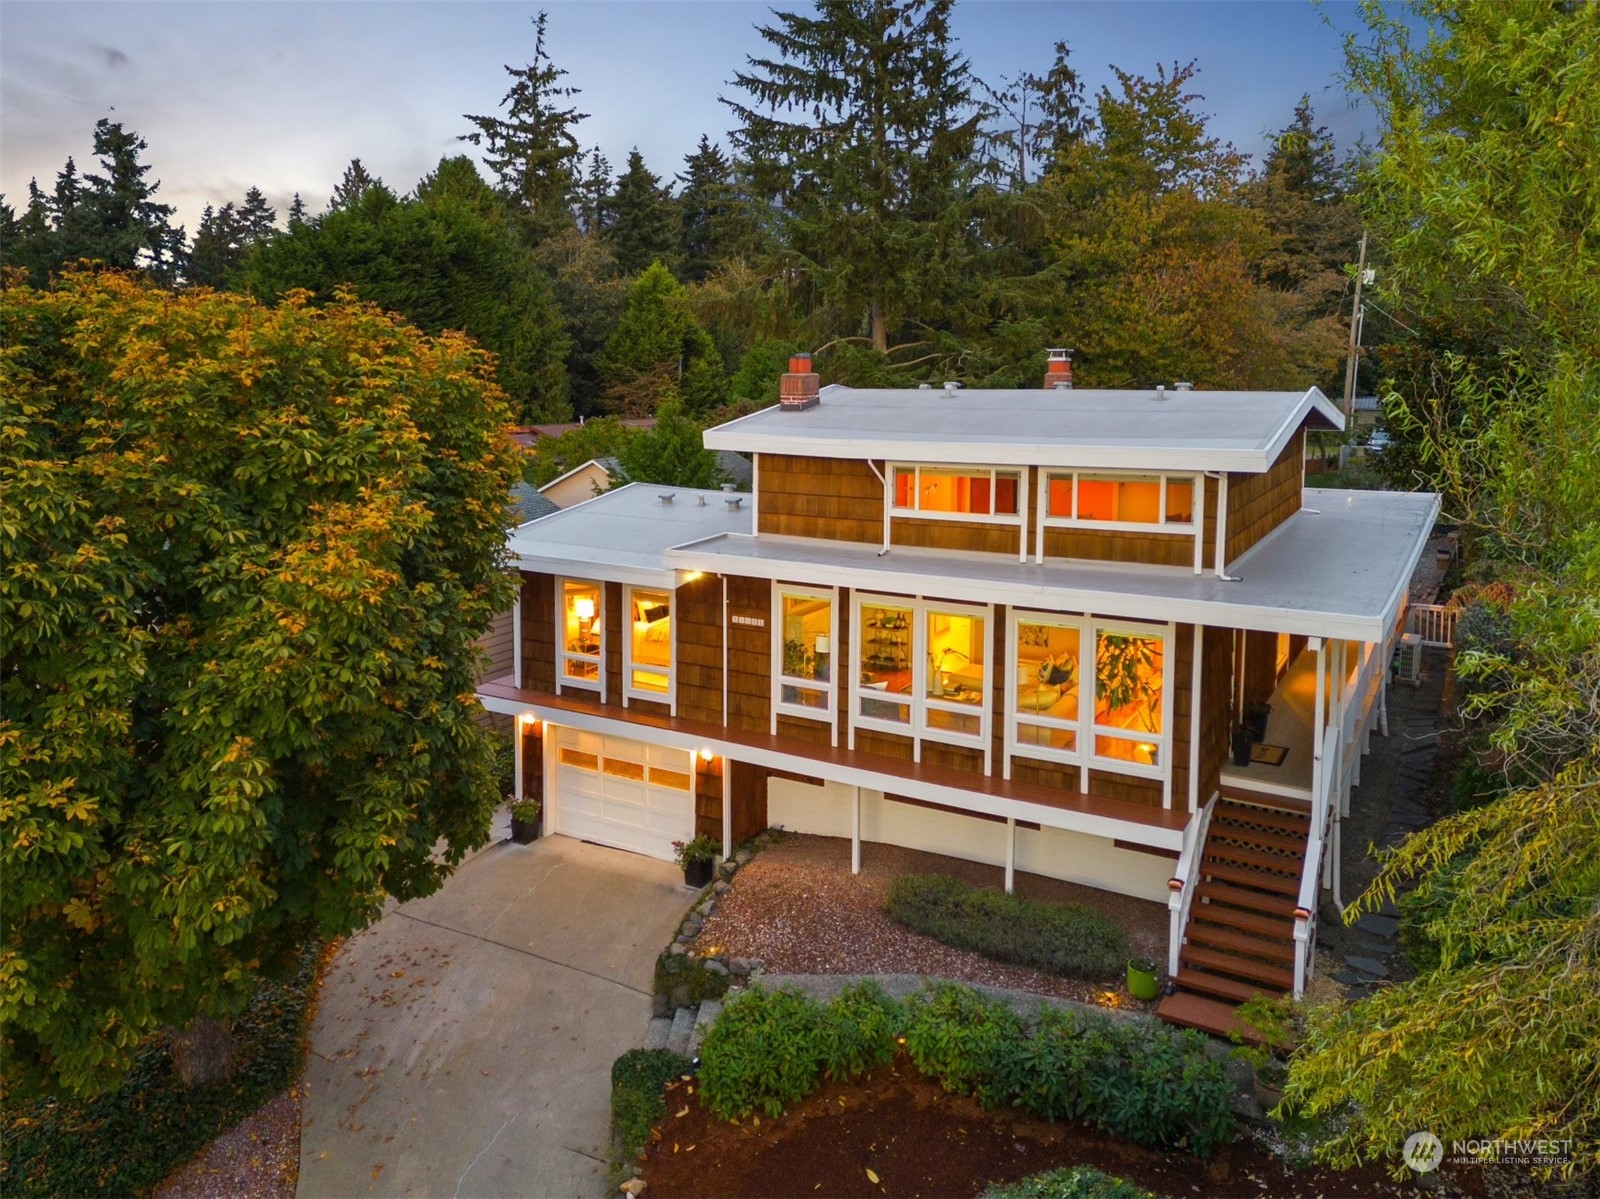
1323 797
1181 886
1434 623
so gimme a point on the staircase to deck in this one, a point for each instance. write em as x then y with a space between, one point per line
1239 938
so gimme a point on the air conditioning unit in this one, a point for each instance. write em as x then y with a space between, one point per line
1408 659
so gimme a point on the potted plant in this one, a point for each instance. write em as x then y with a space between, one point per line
696 858
1266 1030
1256 716
1143 979
1243 739
524 820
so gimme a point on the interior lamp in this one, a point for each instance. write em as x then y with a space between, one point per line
583 607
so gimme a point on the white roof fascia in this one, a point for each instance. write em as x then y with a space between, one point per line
1312 401
972 801
605 572
1391 610
573 471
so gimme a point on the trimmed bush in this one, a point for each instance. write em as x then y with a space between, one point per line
762 1053
1058 938
1076 1182
126 1141
637 1080
859 1030
963 1039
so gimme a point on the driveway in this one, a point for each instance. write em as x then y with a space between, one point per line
463 1044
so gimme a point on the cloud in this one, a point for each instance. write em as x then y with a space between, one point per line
114 58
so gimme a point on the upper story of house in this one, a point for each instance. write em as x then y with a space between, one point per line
1170 477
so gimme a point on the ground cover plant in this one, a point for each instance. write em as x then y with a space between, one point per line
127 1140
1078 1182
1149 1084
1059 938
637 1080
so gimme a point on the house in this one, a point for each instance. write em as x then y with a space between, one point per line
525 504
601 474
1015 626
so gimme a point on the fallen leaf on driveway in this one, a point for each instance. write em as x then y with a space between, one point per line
377 1170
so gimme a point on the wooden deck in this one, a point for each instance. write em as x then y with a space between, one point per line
819 758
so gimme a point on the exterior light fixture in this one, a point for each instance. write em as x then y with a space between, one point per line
705 753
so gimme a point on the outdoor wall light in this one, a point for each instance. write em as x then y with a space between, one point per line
705 753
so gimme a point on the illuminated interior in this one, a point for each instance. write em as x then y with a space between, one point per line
955 673
650 642
581 629
807 649
1180 501
1128 696
1120 500
887 634
934 489
1047 686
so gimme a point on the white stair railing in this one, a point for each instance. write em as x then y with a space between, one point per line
1181 886
1434 623
1305 912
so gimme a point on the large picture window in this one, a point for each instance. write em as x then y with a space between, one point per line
648 669
922 669
580 634
958 492
804 670
1163 503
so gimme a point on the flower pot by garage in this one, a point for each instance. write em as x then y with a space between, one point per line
1143 982
524 831
1243 739
697 874
1255 719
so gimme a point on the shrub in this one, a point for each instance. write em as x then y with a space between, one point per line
963 1039
686 979
1058 938
858 1030
1076 1182
126 1141
637 1080
1050 1072
762 1052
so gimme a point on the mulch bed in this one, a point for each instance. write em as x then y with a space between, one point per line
920 1141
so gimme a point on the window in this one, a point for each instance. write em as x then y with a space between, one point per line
648 670
953 695
1089 694
1159 502
971 492
887 653
580 634
803 668
921 669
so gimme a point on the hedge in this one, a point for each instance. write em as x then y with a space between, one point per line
127 1141
1149 1084
1075 1182
1058 938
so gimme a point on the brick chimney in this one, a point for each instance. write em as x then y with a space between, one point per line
1058 370
797 390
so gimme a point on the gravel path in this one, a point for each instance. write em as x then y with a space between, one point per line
797 908
258 1158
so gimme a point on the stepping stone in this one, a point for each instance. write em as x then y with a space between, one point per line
656 1034
682 1029
1370 966
1377 949
1350 978
1378 925
1360 991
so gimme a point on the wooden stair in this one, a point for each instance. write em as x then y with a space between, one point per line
1239 941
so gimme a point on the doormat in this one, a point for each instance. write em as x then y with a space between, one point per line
1268 755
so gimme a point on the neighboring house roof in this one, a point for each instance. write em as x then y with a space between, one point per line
528 504
624 533
736 468
1139 430
1367 404
540 431
608 465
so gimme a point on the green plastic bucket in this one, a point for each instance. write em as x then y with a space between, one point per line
1143 981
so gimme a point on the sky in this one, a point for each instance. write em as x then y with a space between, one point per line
282 95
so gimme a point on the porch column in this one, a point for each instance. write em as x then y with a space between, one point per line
1318 718
1011 853
855 830
518 731
727 808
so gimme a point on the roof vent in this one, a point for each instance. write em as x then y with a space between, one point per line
702 502
951 387
666 498
734 502
727 487
924 386
1184 386
1161 391
1058 369
799 389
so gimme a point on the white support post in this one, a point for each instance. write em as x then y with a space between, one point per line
755 494
516 636
1194 719
516 746
1011 854
1022 508
727 807
1221 563
1199 524
855 831
1318 721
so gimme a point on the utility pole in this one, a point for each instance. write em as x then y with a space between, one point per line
1355 335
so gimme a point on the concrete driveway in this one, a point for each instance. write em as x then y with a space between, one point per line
463 1045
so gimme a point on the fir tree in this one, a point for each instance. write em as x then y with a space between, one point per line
32 243
531 149
594 194
861 134
1038 117
642 230
1301 197
355 184
709 212
257 218
658 351
297 211
216 249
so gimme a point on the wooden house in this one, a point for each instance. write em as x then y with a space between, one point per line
1016 626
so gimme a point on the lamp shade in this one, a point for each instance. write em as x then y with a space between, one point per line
823 646
583 607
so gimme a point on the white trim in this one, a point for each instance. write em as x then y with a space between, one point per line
972 470
829 596
516 633
1196 655
568 475
1200 524
629 691
564 680
727 806
1188 528
755 493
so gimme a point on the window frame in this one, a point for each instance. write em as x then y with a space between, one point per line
917 700
1188 528
629 691
564 655
830 714
1017 518
1086 728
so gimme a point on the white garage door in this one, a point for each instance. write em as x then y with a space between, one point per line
623 793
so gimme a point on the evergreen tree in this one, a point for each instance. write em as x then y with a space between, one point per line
861 135
217 248
1037 118
352 187
129 229
532 150
642 230
297 211
257 218
32 244
658 351
710 212
673 454
594 194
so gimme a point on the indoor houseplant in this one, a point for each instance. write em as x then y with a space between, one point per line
524 820
696 857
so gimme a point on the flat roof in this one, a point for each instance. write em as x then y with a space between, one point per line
1339 569
623 534
1125 430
